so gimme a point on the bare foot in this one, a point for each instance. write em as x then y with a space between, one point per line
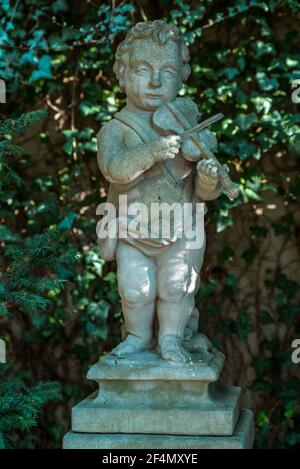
131 344
171 349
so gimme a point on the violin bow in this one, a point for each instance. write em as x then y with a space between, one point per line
202 125
231 189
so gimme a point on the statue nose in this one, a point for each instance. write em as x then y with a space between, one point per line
155 80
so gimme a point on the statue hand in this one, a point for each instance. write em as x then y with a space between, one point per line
166 147
208 172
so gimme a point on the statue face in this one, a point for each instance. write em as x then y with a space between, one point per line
153 74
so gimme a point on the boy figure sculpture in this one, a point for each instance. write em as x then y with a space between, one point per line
157 281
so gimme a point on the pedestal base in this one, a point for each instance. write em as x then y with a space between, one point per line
146 402
216 414
242 438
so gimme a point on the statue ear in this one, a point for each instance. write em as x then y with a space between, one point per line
121 77
186 71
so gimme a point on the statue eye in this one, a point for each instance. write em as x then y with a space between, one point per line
169 72
142 70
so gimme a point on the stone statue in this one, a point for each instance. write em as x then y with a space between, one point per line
160 387
143 156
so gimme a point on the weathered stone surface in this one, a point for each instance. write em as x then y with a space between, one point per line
217 417
150 154
145 401
205 366
146 394
153 152
242 438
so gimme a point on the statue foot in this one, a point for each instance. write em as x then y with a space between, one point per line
171 349
132 344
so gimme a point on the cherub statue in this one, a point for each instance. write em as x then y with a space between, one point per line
157 281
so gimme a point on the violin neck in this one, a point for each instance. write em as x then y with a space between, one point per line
202 125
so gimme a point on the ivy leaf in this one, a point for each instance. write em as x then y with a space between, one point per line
262 419
265 83
67 222
44 69
59 5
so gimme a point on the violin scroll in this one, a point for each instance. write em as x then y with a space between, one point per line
231 189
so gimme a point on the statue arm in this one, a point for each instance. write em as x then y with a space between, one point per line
117 163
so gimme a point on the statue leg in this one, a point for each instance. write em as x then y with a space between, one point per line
137 287
177 281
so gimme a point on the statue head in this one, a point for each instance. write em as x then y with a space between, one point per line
151 64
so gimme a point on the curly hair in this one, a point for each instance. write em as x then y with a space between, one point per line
158 31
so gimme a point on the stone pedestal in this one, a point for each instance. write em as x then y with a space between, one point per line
146 402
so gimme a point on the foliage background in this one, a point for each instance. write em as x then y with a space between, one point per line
60 308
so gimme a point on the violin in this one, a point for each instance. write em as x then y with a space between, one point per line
181 117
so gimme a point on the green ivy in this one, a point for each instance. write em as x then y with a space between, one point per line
55 285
